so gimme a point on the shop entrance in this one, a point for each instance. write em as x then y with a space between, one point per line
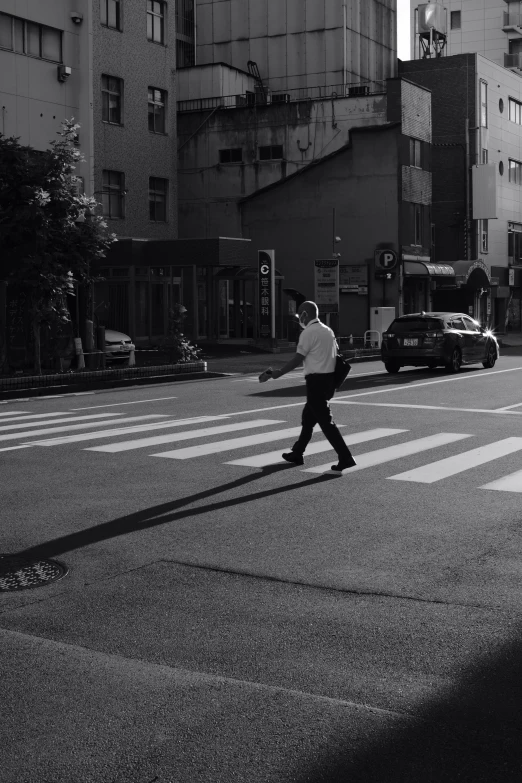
236 306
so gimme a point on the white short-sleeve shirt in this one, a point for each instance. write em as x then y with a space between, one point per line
318 346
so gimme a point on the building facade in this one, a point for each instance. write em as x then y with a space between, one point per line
300 44
491 28
477 150
378 186
229 149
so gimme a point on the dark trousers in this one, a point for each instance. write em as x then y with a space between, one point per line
319 390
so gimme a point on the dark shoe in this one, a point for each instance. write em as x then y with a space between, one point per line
293 457
343 465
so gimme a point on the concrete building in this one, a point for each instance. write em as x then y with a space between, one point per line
492 28
229 149
276 85
300 44
112 66
477 108
379 185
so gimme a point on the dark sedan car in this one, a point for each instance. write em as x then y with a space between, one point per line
437 340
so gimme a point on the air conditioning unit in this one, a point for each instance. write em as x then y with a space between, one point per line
280 97
359 89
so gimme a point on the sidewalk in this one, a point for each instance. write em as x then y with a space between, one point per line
510 340
234 360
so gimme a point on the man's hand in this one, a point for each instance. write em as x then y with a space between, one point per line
266 375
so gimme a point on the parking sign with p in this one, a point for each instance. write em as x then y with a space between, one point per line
385 260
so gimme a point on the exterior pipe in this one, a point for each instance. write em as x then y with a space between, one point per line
345 55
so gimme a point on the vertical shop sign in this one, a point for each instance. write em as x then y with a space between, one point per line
266 293
327 285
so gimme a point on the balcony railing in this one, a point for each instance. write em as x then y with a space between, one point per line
513 61
288 96
512 18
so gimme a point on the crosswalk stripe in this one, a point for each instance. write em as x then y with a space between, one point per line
17 426
141 443
511 483
435 471
12 413
228 445
161 425
69 427
379 456
274 457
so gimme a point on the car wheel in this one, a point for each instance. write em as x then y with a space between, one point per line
455 362
392 366
491 358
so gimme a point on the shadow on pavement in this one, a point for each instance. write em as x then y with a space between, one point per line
359 384
471 734
167 512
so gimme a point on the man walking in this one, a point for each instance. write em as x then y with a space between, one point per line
317 348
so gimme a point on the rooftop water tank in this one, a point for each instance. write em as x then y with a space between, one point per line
432 16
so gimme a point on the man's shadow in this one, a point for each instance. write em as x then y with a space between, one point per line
164 513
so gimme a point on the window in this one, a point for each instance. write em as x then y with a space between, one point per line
158 189
455 20
156 21
515 111
185 33
231 156
457 323
484 156
470 324
483 104
35 40
515 171
112 92
274 152
157 102
110 13
113 194
484 234
415 153
418 232
515 243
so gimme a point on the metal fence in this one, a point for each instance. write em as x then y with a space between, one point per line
296 95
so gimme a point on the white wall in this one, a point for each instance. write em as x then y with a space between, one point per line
481 29
503 140
211 81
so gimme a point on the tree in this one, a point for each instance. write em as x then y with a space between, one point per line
49 232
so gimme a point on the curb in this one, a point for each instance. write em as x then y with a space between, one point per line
62 389
117 383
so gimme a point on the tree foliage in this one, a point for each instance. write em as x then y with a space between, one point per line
49 232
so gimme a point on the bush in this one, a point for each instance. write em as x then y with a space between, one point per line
178 347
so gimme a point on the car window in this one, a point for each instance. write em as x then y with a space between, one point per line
471 325
415 325
457 323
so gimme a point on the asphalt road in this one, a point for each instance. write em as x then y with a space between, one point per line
228 617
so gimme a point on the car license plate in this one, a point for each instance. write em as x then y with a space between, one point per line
410 341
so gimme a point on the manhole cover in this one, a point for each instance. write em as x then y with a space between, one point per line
17 573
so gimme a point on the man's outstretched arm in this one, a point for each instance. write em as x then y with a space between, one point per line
295 361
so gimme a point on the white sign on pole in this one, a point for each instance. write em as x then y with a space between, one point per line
327 285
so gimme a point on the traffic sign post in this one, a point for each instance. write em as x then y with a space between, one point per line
385 262
266 309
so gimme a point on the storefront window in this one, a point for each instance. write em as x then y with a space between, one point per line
141 304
